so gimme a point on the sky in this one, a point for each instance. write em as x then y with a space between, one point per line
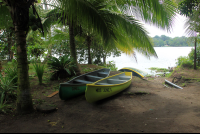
178 28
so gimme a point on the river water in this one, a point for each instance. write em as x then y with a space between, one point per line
167 57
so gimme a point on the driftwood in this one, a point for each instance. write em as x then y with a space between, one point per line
176 79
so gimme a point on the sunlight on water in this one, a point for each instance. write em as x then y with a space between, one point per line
167 57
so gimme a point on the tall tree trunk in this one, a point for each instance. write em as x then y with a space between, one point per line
89 44
24 99
77 69
195 59
20 16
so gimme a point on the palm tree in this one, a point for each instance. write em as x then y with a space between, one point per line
108 19
191 10
19 12
103 17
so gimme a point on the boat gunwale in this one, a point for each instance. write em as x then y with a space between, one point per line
94 84
133 71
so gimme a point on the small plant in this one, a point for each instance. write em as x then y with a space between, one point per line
7 89
168 74
183 84
2 103
7 86
62 67
111 65
39 69
12 74
184 62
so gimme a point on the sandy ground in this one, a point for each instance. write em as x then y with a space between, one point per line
145 107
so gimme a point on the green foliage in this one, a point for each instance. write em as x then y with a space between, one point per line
35 45
159 69
63 66
7 90
187 7
171 42
39 69
184 61
168 74
191 55
111 65
11 73
2 103
7 85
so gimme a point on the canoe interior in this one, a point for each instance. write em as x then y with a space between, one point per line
88 77
117 79
135 72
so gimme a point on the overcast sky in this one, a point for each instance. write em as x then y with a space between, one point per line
178 28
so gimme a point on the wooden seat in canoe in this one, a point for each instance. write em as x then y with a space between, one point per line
102 74
82 81
93 78
124 77
100 83
115 81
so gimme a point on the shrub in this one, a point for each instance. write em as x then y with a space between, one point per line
62 67
184 62
2 102
7 89
111 65
11 73
191 55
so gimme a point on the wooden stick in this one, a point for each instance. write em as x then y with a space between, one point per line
54 93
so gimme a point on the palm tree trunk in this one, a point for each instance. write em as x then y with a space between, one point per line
24 99
77 69
20 17
89 44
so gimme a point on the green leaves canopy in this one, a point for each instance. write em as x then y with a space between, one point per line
118 21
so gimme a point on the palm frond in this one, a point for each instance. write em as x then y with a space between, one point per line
158 13
5 18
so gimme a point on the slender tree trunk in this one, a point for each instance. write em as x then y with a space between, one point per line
24 99
89 44
195 59
20 17
104 59
73 48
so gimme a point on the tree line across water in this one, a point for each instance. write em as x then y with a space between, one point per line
165 41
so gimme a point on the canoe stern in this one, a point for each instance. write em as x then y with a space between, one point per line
67 92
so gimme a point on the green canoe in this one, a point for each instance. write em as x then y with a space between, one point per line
135 72
77 85
108 86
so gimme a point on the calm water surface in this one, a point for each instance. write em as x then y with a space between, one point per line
167 57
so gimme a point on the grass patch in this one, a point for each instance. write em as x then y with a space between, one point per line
159 69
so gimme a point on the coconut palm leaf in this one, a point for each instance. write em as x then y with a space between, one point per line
5 18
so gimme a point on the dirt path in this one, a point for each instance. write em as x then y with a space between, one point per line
145 107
